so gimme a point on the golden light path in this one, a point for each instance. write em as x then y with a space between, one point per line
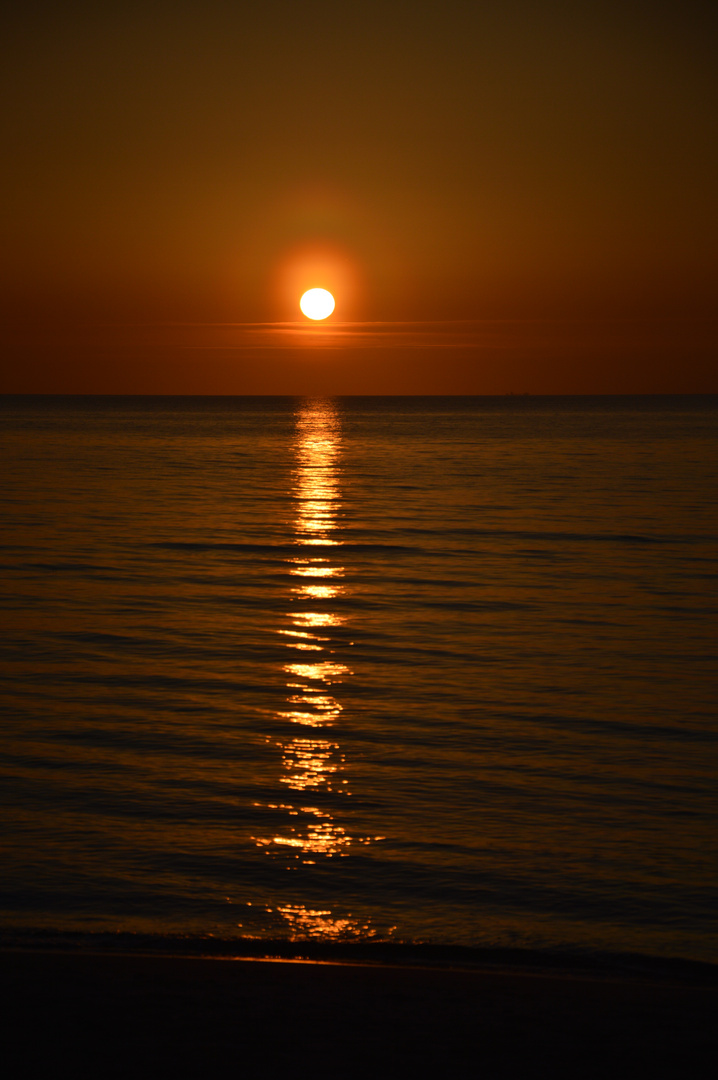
317 304
312 764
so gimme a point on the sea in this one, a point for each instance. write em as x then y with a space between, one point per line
416 670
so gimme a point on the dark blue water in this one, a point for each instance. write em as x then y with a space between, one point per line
416 669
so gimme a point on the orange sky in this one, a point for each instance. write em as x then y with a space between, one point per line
503 196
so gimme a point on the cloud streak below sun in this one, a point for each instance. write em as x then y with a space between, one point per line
533 334
365 335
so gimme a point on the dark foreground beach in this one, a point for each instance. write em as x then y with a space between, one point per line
129 1016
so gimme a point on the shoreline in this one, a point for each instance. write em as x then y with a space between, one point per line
368 952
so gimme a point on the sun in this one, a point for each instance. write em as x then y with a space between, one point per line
317 304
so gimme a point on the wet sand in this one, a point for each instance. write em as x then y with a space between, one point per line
136 1016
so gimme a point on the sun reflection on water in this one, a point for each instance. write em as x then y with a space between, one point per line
318 592
313 764
316 618
326 671
307 569
304 922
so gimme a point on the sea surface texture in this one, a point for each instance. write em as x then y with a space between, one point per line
416 669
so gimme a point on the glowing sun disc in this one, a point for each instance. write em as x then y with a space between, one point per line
317 304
